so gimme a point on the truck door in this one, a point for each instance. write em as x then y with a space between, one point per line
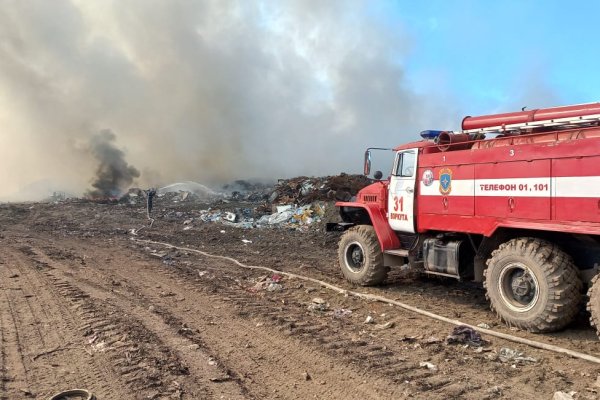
401 201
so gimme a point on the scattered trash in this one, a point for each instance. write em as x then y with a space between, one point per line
387 325
341 313
429 366
202 273
274 287
510 355
218 379
463 334
495 390
246 241
563 395
483 325
99 347
212 362
307 376
369 320
432 340
318 304
409 339
268 284
229 216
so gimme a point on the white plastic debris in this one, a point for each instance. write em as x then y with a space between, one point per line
281 209
563 395
428 365
369 320
229 216
510 355
246 241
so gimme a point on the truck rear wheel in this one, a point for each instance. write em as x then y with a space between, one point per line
593 305
533 285
360 256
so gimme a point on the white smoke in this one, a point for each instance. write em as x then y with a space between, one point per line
206 91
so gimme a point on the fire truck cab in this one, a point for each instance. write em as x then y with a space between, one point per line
512 200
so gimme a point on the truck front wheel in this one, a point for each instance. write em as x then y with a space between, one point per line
593 305
360 256
533 285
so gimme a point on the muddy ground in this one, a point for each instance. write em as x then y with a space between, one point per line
83 305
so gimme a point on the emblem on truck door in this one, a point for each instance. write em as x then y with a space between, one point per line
427 178
445 181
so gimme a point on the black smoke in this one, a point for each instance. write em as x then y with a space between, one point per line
113 174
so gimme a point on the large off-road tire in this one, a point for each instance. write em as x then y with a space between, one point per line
360 256
593 305
533 285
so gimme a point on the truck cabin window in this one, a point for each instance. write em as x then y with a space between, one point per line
405 164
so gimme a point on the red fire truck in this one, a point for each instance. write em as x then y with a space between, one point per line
512 200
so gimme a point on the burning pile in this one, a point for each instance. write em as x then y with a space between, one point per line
113 174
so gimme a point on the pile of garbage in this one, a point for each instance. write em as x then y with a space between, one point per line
305 190
289 216
292 203
242 190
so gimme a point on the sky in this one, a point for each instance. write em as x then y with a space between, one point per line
217 90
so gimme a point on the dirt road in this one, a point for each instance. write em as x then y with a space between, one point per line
83 305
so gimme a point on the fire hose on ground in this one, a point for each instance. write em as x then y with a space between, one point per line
67 394
366 296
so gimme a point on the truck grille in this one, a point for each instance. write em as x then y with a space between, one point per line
370 198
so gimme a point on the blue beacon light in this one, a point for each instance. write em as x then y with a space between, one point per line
430 134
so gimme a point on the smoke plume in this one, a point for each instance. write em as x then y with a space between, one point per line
113 174
209 91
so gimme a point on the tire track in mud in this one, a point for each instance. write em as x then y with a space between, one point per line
216 307
337 341
143 358
250 364
375 357
59 361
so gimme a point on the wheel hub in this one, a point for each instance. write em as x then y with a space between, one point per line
355 257
518 287
522 285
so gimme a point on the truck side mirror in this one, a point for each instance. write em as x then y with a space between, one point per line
367 166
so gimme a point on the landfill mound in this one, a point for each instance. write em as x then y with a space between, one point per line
294 203
305 190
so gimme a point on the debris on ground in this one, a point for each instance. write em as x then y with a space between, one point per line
369 320
463 334
270 284
318 304
432 340
341 313
563 395
429 366
483 325
387 325
507 355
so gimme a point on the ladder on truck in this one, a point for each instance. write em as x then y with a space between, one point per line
517 128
